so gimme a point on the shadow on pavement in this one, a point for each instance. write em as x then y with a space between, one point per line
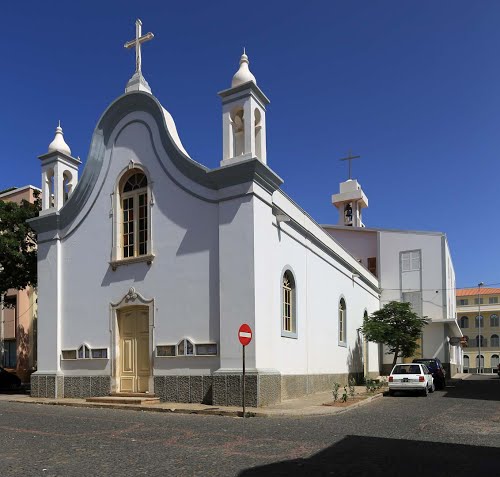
485 388
373 456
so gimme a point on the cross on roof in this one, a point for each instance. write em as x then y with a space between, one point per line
349 158
137 44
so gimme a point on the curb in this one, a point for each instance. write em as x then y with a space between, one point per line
318 410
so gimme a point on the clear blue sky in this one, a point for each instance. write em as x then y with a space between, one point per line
412 86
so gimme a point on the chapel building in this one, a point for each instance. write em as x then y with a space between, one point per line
149 262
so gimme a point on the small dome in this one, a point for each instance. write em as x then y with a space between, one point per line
59 144
243 75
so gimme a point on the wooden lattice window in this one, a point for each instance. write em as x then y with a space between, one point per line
288 311
342 321
134 201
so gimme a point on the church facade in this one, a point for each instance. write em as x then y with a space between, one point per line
150 262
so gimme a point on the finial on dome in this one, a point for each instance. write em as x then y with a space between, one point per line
58 143
243 75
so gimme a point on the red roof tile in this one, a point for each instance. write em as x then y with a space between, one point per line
475 291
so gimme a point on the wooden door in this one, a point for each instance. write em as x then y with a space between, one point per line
133 326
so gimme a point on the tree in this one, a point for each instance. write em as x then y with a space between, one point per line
396 326
18 240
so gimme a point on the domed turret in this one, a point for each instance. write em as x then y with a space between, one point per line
59 144
243 75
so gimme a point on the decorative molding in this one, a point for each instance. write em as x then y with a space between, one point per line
128 261
132 297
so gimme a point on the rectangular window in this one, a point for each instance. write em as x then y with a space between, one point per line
128 227
341 326
478 301
463 302
415 300
9 355
164 351
287 308
372 265
100 353
143 224
410 261
492 300
68 354
209 349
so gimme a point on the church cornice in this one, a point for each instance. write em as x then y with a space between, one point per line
211 179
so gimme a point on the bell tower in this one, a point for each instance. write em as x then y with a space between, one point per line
350 200
59 174
243 118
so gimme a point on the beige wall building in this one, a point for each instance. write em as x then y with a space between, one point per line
478 312
18 313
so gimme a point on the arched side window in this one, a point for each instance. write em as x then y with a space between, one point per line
464 322
479 320
342 322
494 321
482 361
495 341
495 360
479 340
466 362
288 305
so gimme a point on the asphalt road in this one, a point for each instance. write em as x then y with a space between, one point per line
455 432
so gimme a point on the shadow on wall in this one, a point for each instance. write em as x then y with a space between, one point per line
355 361
373 456
25 349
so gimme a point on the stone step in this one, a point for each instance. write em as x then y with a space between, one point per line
143 395
141 400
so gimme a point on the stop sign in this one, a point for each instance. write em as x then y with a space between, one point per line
245 334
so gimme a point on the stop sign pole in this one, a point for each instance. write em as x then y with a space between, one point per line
245 336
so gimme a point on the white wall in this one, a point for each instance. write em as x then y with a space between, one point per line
321 281
183 278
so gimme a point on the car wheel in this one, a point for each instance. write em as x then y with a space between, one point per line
425 391
433 388
391 392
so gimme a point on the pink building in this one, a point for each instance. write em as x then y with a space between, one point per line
18 316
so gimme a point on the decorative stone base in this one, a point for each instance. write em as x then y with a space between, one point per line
55 386
220 389
184 388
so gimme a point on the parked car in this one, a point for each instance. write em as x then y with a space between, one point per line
411 377
437 370
8 381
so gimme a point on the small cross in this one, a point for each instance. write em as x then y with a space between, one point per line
349 158
137 43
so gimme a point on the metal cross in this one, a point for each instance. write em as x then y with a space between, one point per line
349 158
137 43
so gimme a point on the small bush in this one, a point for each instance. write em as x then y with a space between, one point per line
335 391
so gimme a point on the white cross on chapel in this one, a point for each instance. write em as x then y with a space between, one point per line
139 39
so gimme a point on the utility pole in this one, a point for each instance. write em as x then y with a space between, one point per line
479 337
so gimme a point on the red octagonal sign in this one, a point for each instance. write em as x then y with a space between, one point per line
245 334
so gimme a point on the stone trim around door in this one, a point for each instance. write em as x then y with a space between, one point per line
131 299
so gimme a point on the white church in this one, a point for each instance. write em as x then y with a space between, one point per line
149 263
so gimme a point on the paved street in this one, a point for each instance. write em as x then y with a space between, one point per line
456 432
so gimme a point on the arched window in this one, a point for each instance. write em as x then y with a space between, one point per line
494 320
342 321
482 361
67 185
479 318
134 208
288 309
495 360
479 340
466 362
464 322
495 341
